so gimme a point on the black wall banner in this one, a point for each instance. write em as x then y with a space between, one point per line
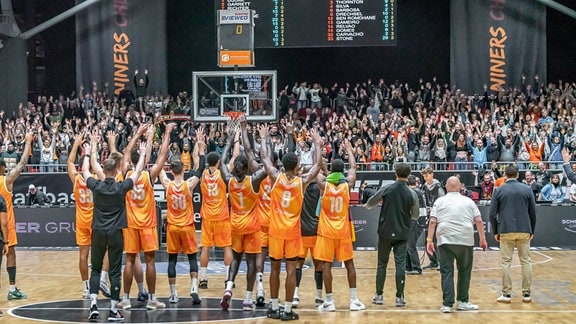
495 42
55 226
555 227
114 38
13 61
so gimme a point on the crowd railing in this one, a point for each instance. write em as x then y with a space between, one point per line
369 166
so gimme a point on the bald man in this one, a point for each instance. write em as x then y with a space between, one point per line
455 216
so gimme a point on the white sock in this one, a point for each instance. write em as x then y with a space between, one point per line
274 302
353 294
103 276
329 298
203 271
93 299
248 296
227 272
296 292
113 304
86 284
12 287
319 293
173 289
194 285
259 281
287 307
126 297
141 287
152 297
229 285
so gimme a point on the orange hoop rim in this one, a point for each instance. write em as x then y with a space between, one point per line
234 115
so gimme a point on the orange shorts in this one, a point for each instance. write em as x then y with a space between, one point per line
83 235
308 244
279 248
217 233
140 239
327 248
248 243
181 239
264 236
12 239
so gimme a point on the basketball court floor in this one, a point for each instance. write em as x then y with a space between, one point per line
51 280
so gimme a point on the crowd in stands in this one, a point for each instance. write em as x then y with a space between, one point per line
427 123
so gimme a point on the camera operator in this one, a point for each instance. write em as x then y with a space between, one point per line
432 190
35 197
417 224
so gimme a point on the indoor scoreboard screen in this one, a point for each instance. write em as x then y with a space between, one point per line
319 23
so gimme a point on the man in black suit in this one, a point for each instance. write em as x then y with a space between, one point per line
513 219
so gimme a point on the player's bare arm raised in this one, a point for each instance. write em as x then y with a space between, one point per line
313 172
14 173
265 156
157 167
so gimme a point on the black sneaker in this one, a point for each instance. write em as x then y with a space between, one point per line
273 314
143 296
260 301
203 284
115 316
291 316
93 315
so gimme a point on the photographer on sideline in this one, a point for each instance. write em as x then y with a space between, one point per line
36 197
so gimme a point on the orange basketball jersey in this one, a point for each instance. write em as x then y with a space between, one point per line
8 197
333 221
84 202
243 203
286 200
214 202
263 208
179 203
140 203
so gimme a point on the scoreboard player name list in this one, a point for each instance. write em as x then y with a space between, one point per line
348 16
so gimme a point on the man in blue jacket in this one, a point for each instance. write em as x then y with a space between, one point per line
513 219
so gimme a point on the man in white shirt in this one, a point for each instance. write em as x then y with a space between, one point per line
455 216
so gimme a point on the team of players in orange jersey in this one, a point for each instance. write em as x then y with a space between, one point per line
246 210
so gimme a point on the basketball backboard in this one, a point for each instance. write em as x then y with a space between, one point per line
251 92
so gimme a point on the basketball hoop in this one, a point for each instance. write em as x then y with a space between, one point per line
233 119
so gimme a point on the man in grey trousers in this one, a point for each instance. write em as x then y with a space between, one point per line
453 217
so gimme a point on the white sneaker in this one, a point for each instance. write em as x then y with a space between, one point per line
195 297
445 309
295 302
466 306
124 304
327 307
248 305
173 299
504 299
526 298
155 304
86 294
356 305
